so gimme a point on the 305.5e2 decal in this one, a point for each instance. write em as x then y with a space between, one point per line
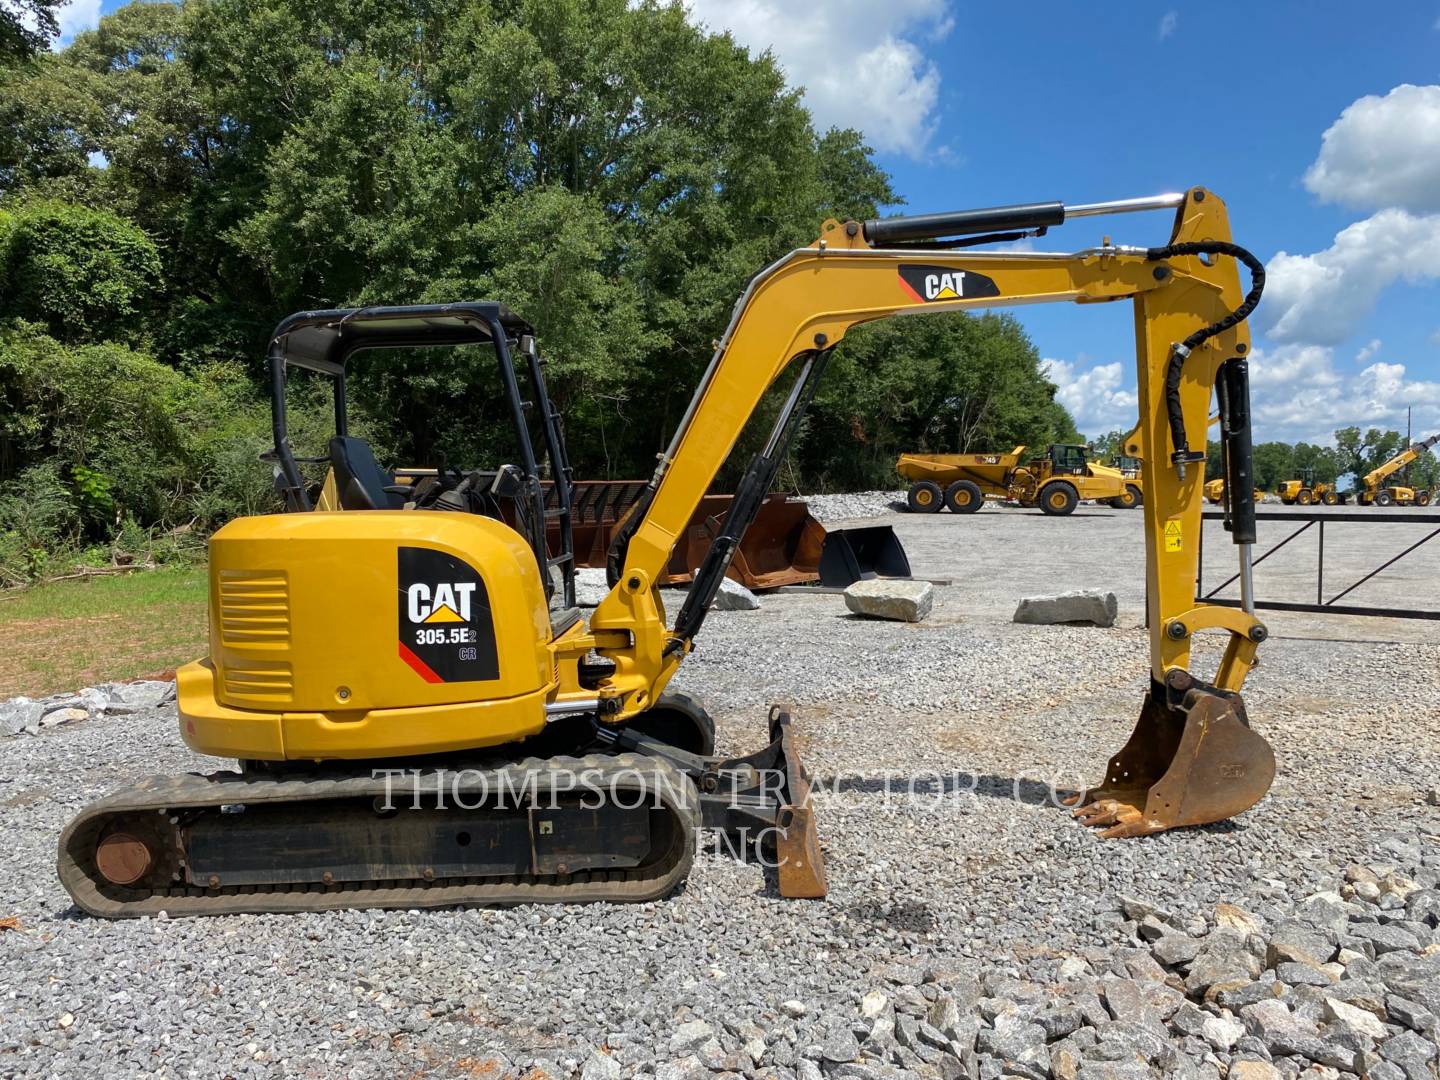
445 630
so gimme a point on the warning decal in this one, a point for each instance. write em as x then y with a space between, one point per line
445 630
1172 536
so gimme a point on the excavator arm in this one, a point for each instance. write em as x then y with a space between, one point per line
1191 344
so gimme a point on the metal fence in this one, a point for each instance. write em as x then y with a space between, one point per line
1321 605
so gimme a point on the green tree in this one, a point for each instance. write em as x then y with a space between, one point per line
85 275
939 384
26 27
1274 462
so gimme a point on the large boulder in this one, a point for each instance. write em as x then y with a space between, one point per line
734 597
1083 606
131 697
19 713
891 598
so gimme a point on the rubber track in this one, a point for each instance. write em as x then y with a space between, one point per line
630 772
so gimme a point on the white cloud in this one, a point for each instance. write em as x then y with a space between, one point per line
1322 298
1383 152
1297 394
884 85
1295 390
77 15
1096 397
1367 351
1168 22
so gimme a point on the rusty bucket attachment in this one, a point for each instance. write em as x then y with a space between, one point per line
861 553
1192 759
782 546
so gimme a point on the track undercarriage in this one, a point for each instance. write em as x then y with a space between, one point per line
616 824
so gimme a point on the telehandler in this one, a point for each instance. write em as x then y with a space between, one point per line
424 630
1056 481
1373 491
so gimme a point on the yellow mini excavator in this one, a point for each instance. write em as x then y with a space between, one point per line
415 632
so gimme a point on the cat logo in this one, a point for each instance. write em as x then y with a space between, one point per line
443 621
445 603
930 284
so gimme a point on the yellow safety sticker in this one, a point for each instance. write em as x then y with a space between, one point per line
1172 536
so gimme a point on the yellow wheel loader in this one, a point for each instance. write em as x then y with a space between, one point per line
423 718
1306 492
1056 481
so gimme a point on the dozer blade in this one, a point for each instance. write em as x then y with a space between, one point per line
1189 764
801 867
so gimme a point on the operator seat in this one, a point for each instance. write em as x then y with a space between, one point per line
361 483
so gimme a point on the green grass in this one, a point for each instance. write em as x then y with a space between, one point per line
71 634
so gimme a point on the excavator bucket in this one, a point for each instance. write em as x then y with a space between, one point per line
861 553
1186 764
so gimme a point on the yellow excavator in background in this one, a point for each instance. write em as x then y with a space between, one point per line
424 631
1373 491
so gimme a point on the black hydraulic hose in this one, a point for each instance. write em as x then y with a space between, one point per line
1180 350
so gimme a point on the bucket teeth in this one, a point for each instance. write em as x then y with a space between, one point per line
1190 764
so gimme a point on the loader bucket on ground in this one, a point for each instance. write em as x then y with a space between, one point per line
1186 764
861 553
782 546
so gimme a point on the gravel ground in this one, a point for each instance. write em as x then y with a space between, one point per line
973 931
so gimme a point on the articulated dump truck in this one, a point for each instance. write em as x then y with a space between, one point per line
1056 480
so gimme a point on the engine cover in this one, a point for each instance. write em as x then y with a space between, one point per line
367 633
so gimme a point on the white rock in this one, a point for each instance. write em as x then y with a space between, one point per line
600 1066
133 696
734 597
794 1008
873 1004
67 1019
590 586
56 717
891 598
1362 1020
19 713
1083 606
1222 1032
1230 917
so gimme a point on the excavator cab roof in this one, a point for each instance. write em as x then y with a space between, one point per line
324 341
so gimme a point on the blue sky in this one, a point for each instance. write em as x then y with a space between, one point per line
982 104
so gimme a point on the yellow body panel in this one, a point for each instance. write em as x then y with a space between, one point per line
306 650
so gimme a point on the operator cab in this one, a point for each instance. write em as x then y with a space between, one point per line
515 493
1068 460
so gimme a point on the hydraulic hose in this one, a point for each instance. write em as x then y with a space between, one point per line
1182 349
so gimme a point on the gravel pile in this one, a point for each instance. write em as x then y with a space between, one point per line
22 716
859 504
972 928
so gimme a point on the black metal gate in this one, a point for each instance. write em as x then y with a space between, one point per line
1321 605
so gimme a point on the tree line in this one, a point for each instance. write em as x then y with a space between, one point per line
177 180
1354 454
